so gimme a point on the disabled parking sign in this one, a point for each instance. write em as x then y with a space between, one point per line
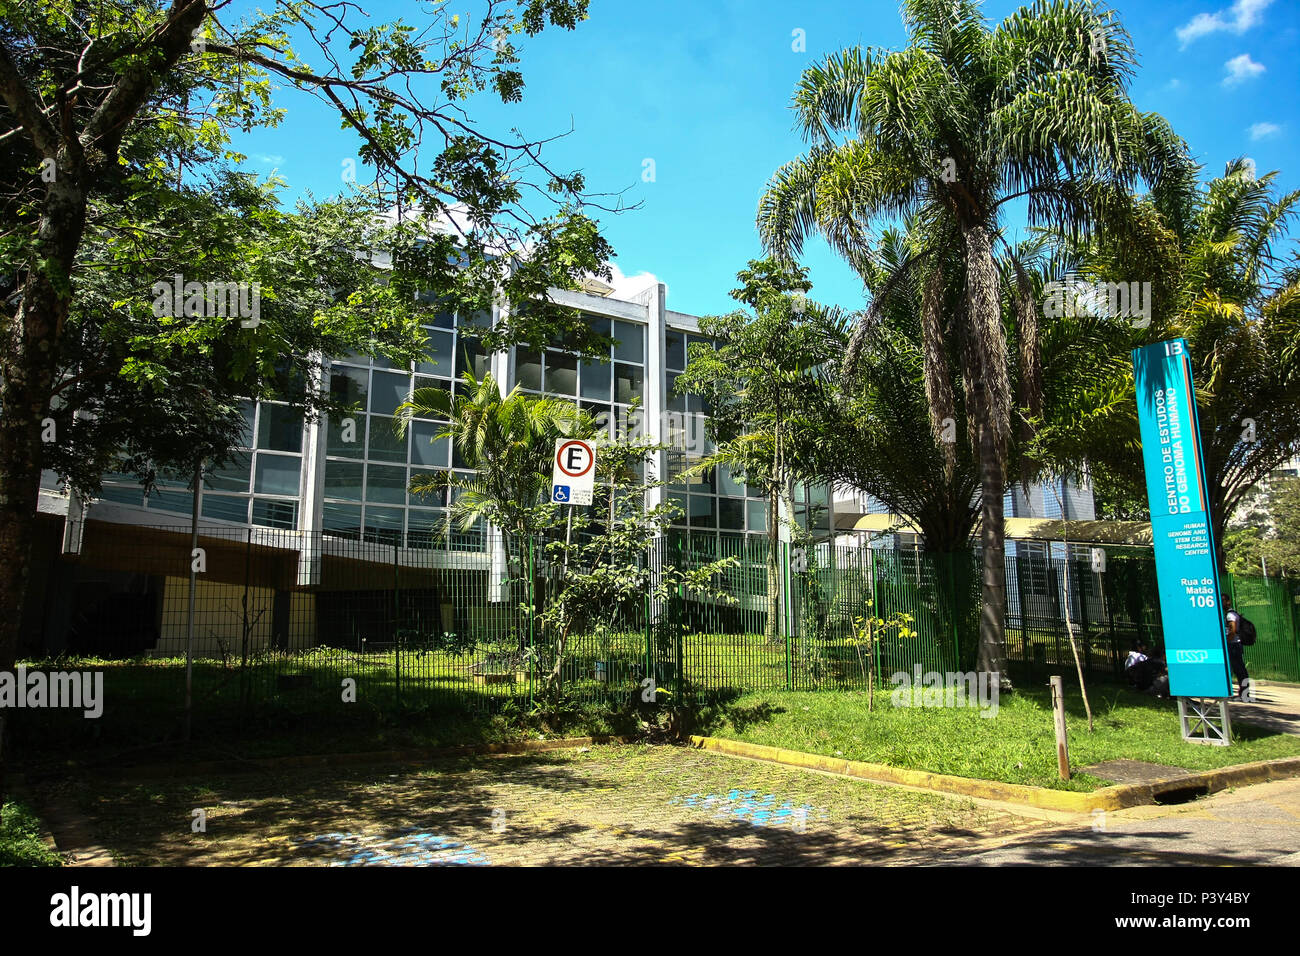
574 475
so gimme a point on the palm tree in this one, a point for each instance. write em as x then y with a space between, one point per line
885 402
949 131
509 441
1219 283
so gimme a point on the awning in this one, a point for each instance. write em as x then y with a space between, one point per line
1135 533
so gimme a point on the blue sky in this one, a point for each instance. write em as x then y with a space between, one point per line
703 89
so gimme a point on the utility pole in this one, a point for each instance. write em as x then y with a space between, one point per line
189 626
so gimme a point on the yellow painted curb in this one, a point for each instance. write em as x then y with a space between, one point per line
1116 797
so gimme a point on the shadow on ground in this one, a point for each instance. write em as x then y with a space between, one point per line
607 806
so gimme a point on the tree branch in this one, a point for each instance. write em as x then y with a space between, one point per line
171 41
22 103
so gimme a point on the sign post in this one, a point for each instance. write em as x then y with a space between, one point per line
573 477
1183 535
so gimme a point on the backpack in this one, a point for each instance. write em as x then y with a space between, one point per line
1245 630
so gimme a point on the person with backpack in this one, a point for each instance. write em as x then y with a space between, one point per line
1241 634
1146 671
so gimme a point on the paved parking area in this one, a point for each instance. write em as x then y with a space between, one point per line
605 805
1253 826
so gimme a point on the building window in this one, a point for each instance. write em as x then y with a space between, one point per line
717 501
368 468
606 385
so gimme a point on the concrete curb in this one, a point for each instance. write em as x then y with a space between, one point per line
253 764
1108 798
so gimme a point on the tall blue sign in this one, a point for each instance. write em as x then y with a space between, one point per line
1186 569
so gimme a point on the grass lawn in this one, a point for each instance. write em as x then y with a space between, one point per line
20 838
293 704
1015 746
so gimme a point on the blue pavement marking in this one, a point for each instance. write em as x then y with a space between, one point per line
747 806
409 847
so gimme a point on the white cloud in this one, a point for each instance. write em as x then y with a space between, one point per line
1174 84
1262 130
628 287
1238 18
270 160
1241 68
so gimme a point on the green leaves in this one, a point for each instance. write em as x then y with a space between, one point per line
509 440
1217 283
763 372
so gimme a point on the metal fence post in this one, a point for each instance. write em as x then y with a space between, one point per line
656 565
397 625
532 613
680 663
789 610
189 627
245 636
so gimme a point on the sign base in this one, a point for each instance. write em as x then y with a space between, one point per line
1205 720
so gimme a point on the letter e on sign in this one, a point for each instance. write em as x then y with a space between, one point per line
575 469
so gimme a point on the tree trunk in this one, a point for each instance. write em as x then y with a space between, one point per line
938 386
987 333
773 630
28 362
28 366
991 658
986 359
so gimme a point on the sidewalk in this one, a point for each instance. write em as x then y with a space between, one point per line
1276 707
1251 826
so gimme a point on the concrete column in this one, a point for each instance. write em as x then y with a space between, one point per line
311 489
656 387
503 371
74 523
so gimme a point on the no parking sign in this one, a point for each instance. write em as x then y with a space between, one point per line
574 474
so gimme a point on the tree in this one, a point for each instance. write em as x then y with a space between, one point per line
604 572
882 442
761 384
1219 283
509 442
117 98
950 130
146 390
1269 541
599 563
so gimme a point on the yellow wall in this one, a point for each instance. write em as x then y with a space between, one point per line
219 616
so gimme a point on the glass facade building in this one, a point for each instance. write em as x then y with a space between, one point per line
349 475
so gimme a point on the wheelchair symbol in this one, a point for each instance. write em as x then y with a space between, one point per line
560 493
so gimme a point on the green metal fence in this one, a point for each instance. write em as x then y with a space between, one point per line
1105 606
289 627
1273 606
